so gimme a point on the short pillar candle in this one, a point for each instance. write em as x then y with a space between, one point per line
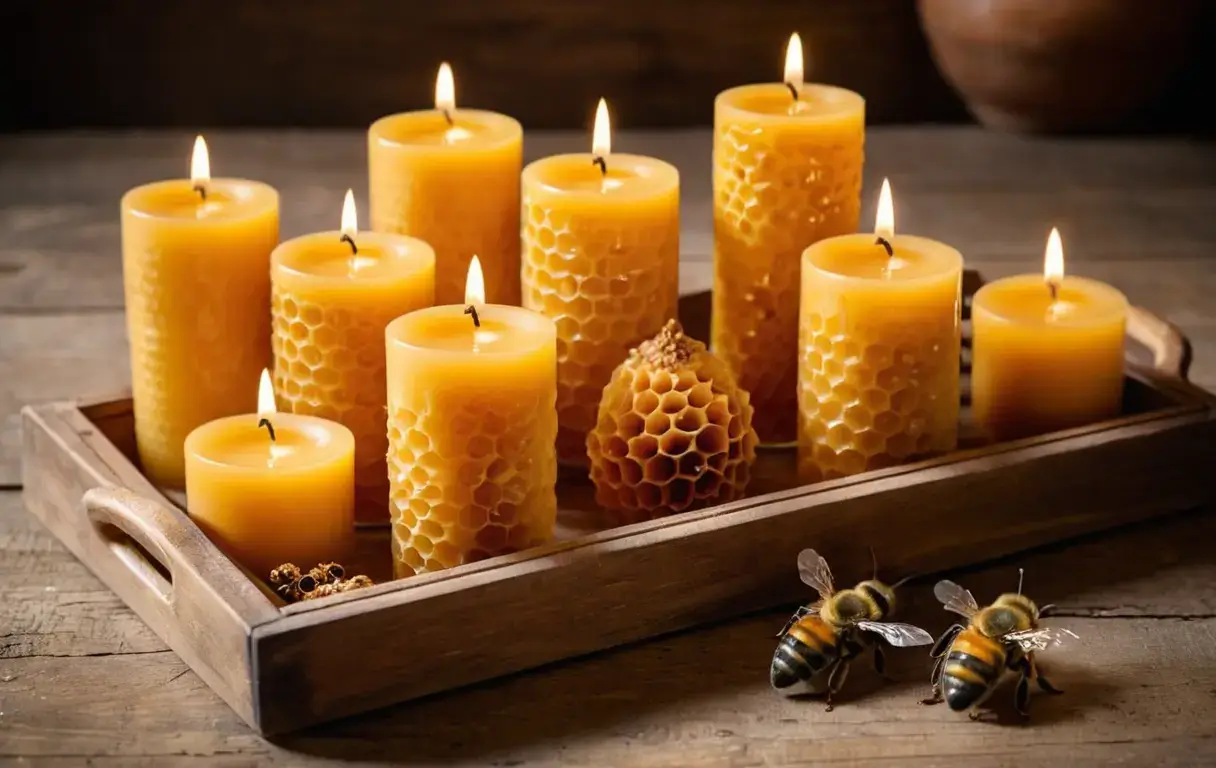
333 294
450 177
879 347
601 240
786 173
1047 351
196 277
471 430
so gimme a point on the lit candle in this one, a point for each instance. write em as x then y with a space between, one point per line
878 360
270 488
787 173
196 276
333 295
451 177
471 430
1047 351
601 247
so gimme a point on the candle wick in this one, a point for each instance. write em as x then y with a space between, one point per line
885 243
269 427
1054 287
601 162
354 249
447 115
201 189
793 90
472 310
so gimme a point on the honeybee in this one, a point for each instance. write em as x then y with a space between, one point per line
325 579
825 636
1001 637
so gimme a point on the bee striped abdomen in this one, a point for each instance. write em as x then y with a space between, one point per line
973 667
807 648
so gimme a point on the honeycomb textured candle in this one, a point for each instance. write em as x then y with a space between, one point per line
196 277
603 263
879 355
784 177
329 322
471 435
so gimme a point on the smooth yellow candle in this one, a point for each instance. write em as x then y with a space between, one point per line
1047 351
879 342
471 429
601 247
787 173
196 276
267 502
455 184
332 299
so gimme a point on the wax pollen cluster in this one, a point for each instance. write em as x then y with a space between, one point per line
674 431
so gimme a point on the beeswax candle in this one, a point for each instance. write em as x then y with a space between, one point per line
787 173
333 294
471 432
451 178
601 247
272 488
196 277
878 377
1047 351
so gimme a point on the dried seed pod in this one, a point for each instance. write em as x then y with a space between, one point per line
674 431
338 586
284 579
325 573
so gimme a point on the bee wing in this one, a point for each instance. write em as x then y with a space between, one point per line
897 634
955 598
814 572
1032 640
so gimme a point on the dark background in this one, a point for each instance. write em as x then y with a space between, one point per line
194 64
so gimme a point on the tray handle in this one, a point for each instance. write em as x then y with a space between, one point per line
147 540
1170 348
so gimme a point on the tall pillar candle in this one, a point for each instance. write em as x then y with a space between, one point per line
471 429
601 243
273 488
1047 351
879 343
196 277
787 173
451 177
333 294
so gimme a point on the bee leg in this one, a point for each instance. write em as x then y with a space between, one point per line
1047 610
880 661
936 677
840 671
1043 682
944 642
974 714
1022 697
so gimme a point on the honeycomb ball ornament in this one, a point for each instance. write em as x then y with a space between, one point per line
674 431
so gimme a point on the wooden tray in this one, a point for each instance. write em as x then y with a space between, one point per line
284 667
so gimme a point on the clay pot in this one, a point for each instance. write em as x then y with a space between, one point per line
1060 65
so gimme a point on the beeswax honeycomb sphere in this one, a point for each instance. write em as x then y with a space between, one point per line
674 431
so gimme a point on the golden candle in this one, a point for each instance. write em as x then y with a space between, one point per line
787 173
879 343
196 277
601 245
471 429
451 177
1047 351
333 295
273 488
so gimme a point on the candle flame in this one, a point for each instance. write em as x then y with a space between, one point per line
266 405
1053 259
601 138
200 162
793 61
445 88
350 217
475 284
884 222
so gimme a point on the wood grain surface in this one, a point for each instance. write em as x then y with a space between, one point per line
82 679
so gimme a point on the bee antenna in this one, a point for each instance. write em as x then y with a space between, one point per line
900 583
874 560
1021 575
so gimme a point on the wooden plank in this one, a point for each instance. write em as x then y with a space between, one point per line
1142 685
546 63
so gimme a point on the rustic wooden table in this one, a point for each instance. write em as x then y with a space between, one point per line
81 679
